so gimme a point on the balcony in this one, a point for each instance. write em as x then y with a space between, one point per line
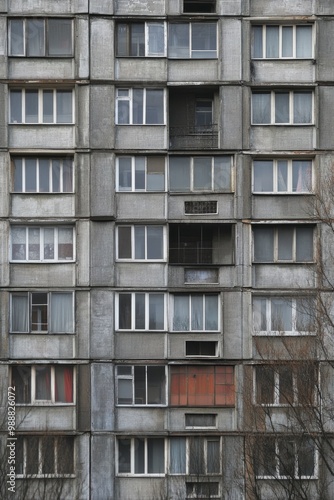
194 137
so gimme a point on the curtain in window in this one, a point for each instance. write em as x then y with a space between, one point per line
178 40
35 37
281 315
156 311
285 243
282 107
261 108
43 382
59 37
156 39
272 33
65 244
263 244
64 384
263 176
61 313
302 107
20 313
177 456
124 174
259 314
139 242
155 456
301 176
304 41
282 175
257 41
287 41
181 313
196 312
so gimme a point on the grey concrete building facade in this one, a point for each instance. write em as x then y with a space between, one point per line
163 254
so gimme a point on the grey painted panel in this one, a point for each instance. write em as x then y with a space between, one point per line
4 184
225 205
101 7
139 345
326 103
102 396
282 207
82 116
140 7
231 117
4 257
132 488
3 116
141 137
283 276
102 182
142 206
232 327
284 7
48 275
231 50
82 184
82 48
102 324
283 71
83 252
41 346
141 419
268 138
102 253
136 275
102 49
38 6
230 7
141 69
50 69
41 136
102 116
48 418
42 205
193 70
102 460
82 327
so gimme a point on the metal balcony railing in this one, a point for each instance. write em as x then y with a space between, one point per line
191 254
200 137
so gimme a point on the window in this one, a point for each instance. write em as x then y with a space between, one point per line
199 420
195 455
42 244
141 456
282 108
199 6
42 174
144 39
140 173
293 457
140 106
141 385
44 456
196 312
37 37
140 311
280 42
282 176
42 312
200 173
201 348
47 106
285 384
43 384
284 243
192 40
283 314
202 489
202 386
140 243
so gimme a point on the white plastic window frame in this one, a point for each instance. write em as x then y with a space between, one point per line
291 108
132 457
133 312
280 42
190 47
132 378
189 295
133 173
129 98
205 440
275 174
147 25
133 243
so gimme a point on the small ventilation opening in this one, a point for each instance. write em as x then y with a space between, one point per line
201 348
199 6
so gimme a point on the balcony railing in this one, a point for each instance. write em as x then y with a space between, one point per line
204 137
192 254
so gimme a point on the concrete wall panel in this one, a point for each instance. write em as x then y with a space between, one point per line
38 136
102 324
139 137
102 49
4 184
102 182
38 6
47 69
3 116
325 33
102 396
83 252
232 325
102 461
291 138
42 275
42 205
42 346
192 70
282 207
140 345
140 419
82 116
102 116
141 206
82 184
102 253
296 71
231 49
140 7
47 418
139 275
140 69
231 117
283 276
101 7
82 299
82 48
283 8
326 103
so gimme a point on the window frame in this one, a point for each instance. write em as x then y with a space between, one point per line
57 450
133 188
132 378
146 241
189 442
190 329
42 260
275 176
291 122
133 312
280 41
190 48
147 25
130 99
133 458
52 401
46 37
40 106
48 331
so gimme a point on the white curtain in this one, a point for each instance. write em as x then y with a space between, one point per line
261 108
177 456
211 312
282 107
304 41
272 41
181 313
20 314
302 104
61 313
35 37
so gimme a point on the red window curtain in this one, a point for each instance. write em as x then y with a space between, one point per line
64 384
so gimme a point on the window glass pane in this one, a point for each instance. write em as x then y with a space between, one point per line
265 385
124 243
67 175
49 244
124 174
139 232
19 464
56 172
203 173
18 237
124 455
21 380
139 456
282 114
123 112
16 37
156 39
305 314
31 177
263 176
302 107
263 244
203 40
155 456
197 312
154 242
213 457
137 39
39 312
62 320
285 385
32 461
306 459
34 244
211 312
177 455
64 106
196 456
272 41
66 445
155 173
65 243
31 106
140 311
156 311
140 385
156 385
124 395
137 106
47 106
282 175
203 114
20 313
122 40
124 311
64 384
154 107
301 176
222 172
16 164
265 457
44 171
16 106
43 382
304 244
59 37
304 41
179 174
139 173
178 40
257 41
285 243
35 37
259 314
261 108
287 42
286 457
181 313
281 315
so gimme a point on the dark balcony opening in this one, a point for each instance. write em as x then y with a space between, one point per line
193 119
201 348
200 244
199 6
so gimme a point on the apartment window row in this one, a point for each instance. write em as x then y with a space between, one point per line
42 174
140 242
187 455
44 456
42 244
38 37
282 176
273 41
43 384
41 106
282 107
140 106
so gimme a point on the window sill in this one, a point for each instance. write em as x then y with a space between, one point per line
283 193
42 262
46 404
45 476
285 262
284 59
284 334
38 58
41 124
42 333
280 125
